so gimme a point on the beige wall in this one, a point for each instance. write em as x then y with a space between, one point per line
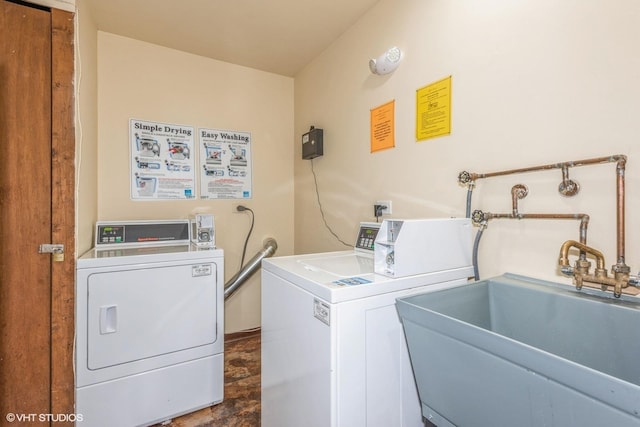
86 128
534 82
149 82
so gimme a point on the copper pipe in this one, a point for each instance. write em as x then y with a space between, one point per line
620 219
584 219
620 267
518 191
565 173
610 159
568 187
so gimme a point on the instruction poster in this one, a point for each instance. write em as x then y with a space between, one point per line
433 110
225 164
162 160
383 127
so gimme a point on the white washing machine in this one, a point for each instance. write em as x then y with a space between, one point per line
149 325
333 349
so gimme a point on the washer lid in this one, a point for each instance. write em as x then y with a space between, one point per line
340 264
341 276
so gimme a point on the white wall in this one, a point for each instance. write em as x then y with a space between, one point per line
149 82
533 82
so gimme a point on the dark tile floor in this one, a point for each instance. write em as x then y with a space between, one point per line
241 404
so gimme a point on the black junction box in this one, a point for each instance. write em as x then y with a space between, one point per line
312 144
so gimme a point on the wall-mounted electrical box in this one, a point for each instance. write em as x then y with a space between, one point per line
312 144
418 246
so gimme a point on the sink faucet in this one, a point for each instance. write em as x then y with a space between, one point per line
580 272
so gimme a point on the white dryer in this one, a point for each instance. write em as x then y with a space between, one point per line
333 348
149 326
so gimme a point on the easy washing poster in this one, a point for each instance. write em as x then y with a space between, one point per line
225 158
163 162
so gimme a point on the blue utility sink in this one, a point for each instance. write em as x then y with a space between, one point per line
514 351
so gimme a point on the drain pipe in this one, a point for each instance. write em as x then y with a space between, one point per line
269 248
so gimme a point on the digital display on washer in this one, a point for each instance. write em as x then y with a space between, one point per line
367 236
140 233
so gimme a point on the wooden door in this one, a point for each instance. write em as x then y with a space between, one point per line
30 140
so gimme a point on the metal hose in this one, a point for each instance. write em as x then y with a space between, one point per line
269 248
476 245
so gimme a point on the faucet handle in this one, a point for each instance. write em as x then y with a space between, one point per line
565 269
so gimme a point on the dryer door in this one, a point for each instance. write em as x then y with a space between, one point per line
139 314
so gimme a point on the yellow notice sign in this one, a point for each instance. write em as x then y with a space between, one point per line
383 127
433 110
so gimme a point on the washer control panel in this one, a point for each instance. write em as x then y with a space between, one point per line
367 235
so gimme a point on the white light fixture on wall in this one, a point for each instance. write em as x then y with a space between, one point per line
387 62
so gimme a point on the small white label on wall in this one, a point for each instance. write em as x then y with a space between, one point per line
322 311
201 270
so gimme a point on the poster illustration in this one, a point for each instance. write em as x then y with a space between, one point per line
162 160
225 164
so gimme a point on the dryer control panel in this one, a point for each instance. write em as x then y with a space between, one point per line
123 233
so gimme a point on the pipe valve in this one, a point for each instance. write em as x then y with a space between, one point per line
478 217
465 178
567 187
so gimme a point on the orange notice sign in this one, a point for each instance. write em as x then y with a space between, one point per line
383 127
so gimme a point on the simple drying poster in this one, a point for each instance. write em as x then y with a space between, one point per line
162 160
225 164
